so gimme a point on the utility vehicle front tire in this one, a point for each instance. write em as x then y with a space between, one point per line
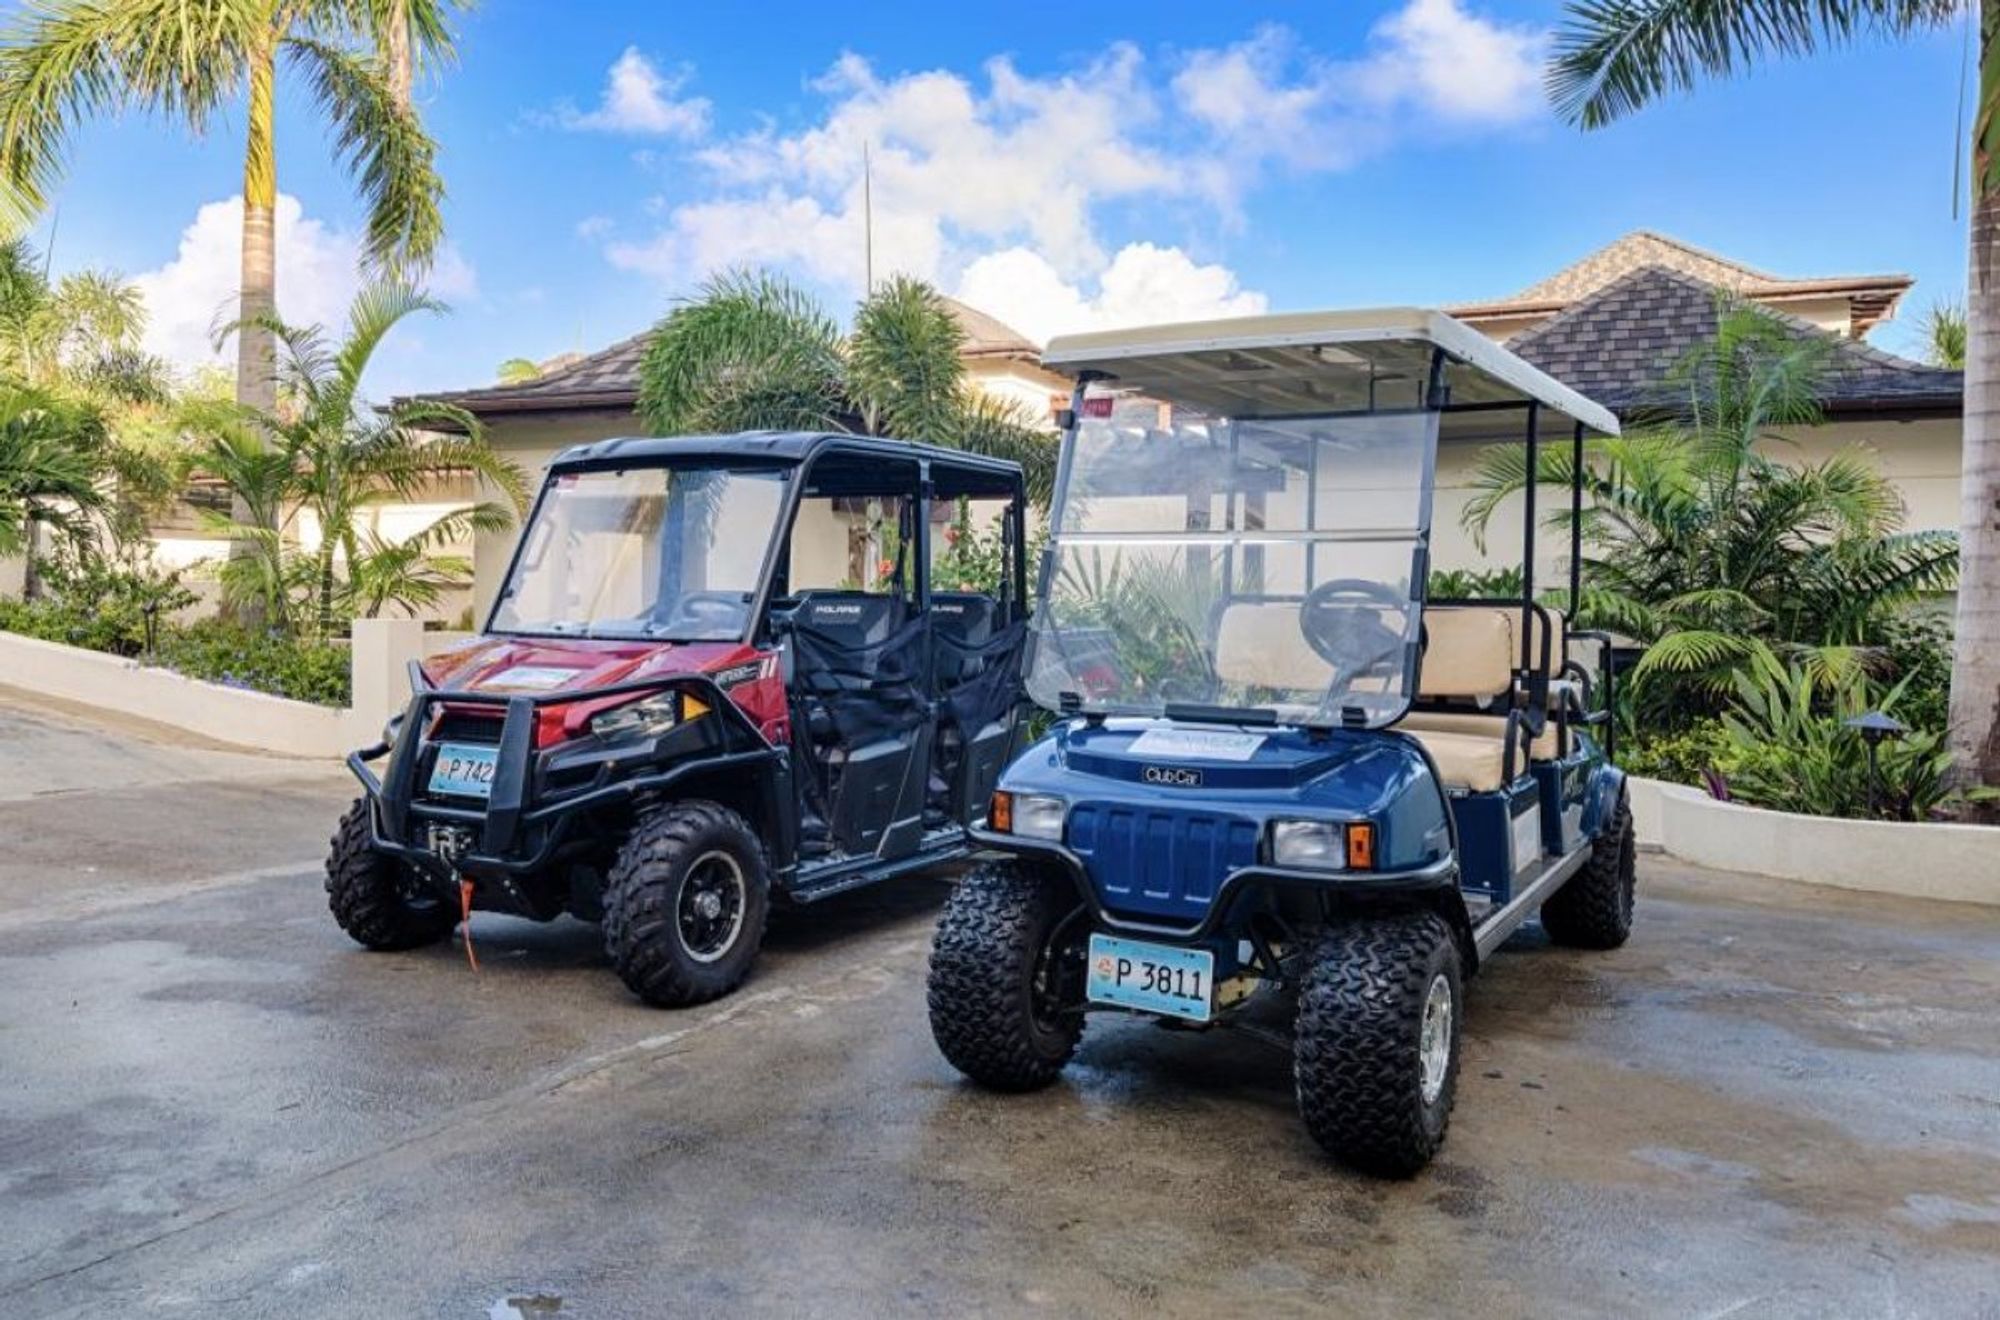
685 904
1376 1047
376 899
1001 994
1594 910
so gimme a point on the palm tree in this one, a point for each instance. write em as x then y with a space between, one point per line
65 61
752 351
1944 335
329 456
1615 56
519 371
1714 553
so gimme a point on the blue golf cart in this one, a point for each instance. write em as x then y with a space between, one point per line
1283 782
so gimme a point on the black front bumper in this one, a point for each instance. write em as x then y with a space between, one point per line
538 794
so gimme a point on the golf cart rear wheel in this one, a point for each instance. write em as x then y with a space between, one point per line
684 906
1376 1051
378 900
1005 980
1594 910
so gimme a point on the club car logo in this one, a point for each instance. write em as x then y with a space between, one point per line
1172 776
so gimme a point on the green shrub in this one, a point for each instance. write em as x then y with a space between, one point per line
1792 751
98 603
220 652
1679 758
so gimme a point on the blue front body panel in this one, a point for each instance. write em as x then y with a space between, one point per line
1160 850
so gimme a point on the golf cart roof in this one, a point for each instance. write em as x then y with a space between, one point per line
1307 363
955 471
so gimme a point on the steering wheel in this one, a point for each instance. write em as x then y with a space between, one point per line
1342 621
704 611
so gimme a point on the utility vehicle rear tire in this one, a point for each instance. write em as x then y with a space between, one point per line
376 899
1594 910
685 904
997 983
1376 1047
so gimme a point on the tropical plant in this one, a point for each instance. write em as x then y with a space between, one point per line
1709 550
752 351
326 458
63 62
1789 748
519 371
1943 333
1613 57
1503 583
49 449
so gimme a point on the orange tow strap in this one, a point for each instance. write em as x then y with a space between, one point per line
465 920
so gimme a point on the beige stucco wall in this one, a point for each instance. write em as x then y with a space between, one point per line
1921 458
1024 384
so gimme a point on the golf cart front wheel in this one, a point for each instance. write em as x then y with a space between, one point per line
1005 978
685 904
1376 1049
378 900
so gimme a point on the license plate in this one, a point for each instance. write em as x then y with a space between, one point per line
1157 978
464 770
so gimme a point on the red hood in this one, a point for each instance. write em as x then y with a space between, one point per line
552 664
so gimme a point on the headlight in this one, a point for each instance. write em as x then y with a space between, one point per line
643 719
1030 815
1311 845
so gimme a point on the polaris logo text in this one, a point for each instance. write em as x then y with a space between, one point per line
1172 776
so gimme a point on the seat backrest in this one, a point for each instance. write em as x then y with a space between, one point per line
966 617
1470 652
1259 644
852 619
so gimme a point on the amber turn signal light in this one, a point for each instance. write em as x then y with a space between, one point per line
1000 816
1360 846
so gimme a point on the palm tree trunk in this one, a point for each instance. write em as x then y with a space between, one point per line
257 299
1975 668
396 52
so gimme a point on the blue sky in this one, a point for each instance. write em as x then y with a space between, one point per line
1064 165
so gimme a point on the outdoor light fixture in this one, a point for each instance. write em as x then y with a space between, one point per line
1875 728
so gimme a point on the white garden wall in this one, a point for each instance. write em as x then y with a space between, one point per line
1960 863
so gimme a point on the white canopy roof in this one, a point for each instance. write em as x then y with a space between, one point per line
1303 362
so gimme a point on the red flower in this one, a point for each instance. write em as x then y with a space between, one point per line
884 569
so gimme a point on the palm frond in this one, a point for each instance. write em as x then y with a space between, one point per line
748 351
1613 56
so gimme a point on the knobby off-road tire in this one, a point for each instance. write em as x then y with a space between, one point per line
1359 1048
1594 910
992 997
374 897
670 944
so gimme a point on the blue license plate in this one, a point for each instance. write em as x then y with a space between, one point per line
1157 978
464 770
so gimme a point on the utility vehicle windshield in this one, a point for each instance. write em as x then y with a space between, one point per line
669 553
1271 566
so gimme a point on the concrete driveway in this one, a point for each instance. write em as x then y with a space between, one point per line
1775 1101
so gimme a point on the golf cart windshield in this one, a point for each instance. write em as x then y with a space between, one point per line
1269 565
660 552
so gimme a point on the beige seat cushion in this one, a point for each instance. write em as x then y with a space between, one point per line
1470 652
1467 761
1260 645
1548 747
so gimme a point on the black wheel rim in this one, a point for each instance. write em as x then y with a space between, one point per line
1050 987
710 912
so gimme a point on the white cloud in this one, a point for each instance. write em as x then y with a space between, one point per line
638 98
318 273
594 226
1144 284
1010 168
1268 97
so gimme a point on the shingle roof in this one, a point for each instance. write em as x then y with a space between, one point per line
608 380
1870 297
1618 345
